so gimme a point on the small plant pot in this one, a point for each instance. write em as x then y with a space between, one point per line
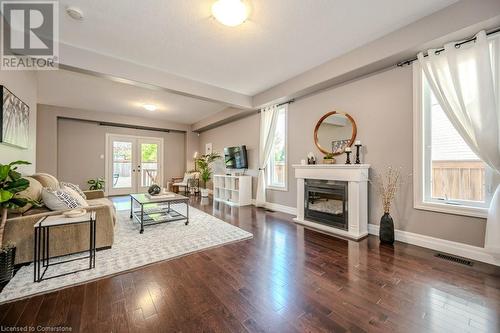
7 259
204 192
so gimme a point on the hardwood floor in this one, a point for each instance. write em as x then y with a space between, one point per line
285 279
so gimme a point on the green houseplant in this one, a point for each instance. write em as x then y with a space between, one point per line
11 183
96 184
204 167
329 159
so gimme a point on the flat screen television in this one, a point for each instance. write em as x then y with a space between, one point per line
236 157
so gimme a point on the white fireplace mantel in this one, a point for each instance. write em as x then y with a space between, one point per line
356 175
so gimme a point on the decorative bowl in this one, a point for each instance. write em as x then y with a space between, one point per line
154 189
75 213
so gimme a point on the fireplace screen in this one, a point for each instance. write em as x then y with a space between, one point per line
326 202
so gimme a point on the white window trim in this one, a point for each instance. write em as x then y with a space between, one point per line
282 188
418 160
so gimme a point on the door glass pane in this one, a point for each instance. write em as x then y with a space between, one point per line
149 164
122 164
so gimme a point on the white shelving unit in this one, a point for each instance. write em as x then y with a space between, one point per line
233 190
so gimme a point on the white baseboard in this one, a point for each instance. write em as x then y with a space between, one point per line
441 245
279 208
459 249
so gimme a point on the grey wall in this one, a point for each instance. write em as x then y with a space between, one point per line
382 106
80 145
23 84
47 154
241 132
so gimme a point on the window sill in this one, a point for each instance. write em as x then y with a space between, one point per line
275 188
452 209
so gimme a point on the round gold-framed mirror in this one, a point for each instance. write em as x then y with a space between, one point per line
334 132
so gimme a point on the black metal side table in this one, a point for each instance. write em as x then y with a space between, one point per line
41 256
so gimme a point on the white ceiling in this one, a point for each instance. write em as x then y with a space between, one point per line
282 38
82 91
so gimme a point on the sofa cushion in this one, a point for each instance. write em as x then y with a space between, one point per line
104 202
62 199
74 187
81 201
47 180
36 210
33 193
101 201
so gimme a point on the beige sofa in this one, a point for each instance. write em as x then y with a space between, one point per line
64 239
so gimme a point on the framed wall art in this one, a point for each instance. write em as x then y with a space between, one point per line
14 120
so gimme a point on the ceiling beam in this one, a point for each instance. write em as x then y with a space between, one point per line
89 62
221 118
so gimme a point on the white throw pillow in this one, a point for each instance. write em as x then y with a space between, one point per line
74 187
81 201
62 199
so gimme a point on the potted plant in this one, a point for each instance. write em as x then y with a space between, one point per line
329 159
11 183
96 184
204 167
386 186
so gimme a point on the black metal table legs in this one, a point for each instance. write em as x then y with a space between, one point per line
131 206
142 219
41 253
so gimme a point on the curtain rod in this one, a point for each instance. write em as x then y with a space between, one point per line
287 102
457 45
280 104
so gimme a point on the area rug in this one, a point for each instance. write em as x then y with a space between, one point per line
132 250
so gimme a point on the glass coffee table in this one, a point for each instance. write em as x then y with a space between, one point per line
147 210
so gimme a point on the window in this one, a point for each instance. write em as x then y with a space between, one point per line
277 166
449 177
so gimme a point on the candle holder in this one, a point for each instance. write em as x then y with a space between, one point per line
357 154
348 159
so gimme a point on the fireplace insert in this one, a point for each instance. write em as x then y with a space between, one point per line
325 202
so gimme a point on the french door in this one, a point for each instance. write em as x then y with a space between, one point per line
133 163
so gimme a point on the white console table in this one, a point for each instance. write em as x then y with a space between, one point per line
233 190
356 175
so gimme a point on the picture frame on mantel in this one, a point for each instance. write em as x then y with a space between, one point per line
14 120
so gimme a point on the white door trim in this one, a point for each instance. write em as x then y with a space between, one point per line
137 138
159 141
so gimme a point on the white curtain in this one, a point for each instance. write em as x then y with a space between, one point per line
465 81
268 120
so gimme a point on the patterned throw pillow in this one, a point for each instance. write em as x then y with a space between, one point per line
61 199
74 187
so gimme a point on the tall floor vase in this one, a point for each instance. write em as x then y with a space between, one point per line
386 231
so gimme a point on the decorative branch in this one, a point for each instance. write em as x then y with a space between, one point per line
386 185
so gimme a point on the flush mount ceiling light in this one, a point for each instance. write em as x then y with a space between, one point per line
230 12
75 13
149 107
